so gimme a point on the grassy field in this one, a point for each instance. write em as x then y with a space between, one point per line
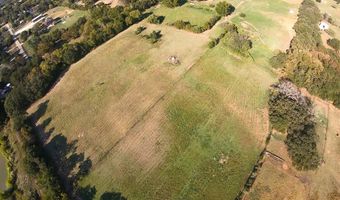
156 131
69 16
197 14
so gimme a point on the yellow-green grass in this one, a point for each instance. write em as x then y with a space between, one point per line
271 20
68 15
157 131
196 14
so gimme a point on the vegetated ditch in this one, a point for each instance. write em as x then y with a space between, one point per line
253 174
3 173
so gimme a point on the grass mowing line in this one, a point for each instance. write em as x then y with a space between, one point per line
145 113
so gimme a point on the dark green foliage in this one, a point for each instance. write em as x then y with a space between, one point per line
243 15
23 36
334 43
302 148
223 8
154 36
278 60
236 42
307 27
307 62
216 41
180 24
287 106
6 39
290 111
213 43
173 3
140 29
155 19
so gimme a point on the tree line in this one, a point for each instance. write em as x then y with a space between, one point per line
291 112
307 62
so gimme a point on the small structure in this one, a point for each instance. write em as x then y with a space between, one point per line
4 90
173 60
323 25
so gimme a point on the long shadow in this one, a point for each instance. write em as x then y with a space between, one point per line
70 165
112 196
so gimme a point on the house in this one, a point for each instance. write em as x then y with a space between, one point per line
323 26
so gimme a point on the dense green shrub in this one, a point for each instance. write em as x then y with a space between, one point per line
180 24
334 43
223 8
173 3
236 42
278 60
213 43
140 29
290 111
154 36
155 19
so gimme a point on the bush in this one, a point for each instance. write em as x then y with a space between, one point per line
213 43
173 3
242 15
224 8
334 43
236 42
140 29
154 36
278 60
180 24
155 19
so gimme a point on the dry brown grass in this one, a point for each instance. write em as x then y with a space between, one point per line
319 184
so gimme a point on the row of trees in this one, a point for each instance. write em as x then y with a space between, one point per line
291 112
186 25
173 3
307 62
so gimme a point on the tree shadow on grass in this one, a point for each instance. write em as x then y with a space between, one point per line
69 164
112 196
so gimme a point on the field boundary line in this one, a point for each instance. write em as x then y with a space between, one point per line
140 119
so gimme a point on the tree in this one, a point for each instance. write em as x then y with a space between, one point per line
173 3
334 43
154 36
223 8
290 111
155 19
23 36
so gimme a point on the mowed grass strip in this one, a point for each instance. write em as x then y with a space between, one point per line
195 14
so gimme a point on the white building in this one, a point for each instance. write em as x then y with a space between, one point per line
323 25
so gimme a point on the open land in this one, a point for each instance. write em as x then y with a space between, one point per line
153 130
279 180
